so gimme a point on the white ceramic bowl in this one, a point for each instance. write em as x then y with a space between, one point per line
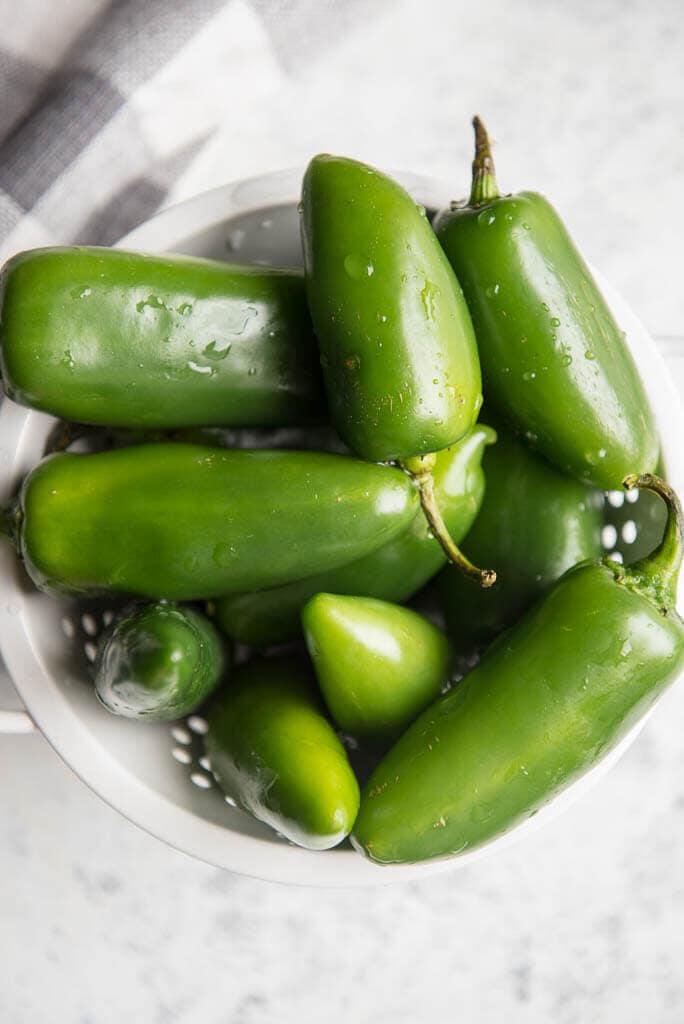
147 771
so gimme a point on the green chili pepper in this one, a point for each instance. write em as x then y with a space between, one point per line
393 572
186 522
276 755
535 523
550 697
554 361
158 662
398 352
378 664
117 338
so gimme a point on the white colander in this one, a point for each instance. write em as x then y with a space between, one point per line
155 775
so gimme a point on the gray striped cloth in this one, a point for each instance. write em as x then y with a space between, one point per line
105 104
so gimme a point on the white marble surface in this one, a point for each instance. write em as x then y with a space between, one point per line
584 920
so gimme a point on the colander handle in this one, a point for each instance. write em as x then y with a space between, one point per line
16 722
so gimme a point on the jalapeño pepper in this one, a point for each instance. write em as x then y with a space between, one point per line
275 753
398 352
534 524
554 362
124 339
551 696
187 522
378 664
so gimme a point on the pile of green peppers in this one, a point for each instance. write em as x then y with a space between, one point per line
295 462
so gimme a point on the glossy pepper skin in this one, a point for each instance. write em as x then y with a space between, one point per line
393 572
275 753
554 362
397 346
159 662
187 522
534 524
117 338
378 664
550 697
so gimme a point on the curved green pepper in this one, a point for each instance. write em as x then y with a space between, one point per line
158 662
534 524
550 697
187 522
554 361
378 664
276 755
398 352
393 572
117 338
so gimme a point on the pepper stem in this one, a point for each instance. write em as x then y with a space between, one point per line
420 467
659 570
484 187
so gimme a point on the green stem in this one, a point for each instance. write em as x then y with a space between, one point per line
420 467
484 187
659 571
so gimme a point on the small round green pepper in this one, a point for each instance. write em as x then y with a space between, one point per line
158 662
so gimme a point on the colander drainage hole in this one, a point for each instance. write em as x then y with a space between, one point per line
89 624
609 536
197 725
629 531
201 780
180 734
90 650
182 755
68 628
205 763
